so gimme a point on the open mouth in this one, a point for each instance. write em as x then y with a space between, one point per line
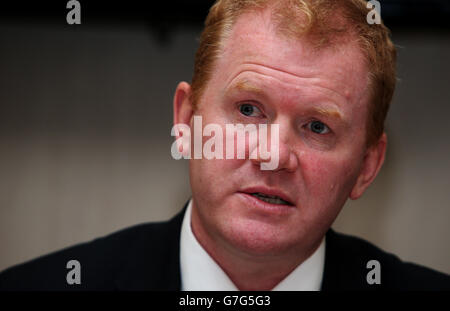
272 199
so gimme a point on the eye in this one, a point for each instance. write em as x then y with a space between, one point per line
250 110
318 127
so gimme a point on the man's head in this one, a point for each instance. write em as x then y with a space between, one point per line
319 71
327 24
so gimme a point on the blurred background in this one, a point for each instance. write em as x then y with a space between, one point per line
86 114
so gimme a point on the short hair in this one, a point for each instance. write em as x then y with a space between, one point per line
324 22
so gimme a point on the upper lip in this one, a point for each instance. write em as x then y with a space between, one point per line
269 191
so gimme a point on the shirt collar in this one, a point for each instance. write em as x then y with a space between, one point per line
200 272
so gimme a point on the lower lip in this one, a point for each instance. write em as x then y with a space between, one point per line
264 206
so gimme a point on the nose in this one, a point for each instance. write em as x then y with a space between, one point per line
287 158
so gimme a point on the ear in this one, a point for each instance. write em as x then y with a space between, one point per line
373 160
182 106
182 114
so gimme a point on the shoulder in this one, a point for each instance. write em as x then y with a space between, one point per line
350 260
100 260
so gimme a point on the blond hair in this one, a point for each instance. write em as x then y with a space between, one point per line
326 23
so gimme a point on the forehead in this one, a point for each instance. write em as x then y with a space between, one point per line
255 40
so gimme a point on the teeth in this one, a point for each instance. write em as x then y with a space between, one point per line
270 199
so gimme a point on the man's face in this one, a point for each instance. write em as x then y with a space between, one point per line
319 101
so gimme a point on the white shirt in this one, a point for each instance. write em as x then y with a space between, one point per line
199 272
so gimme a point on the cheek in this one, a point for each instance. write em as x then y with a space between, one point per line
214 170
329 177
328 182
214 179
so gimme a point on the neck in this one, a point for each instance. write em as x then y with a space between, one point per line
251 271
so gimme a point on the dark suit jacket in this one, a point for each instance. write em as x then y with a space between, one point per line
146 257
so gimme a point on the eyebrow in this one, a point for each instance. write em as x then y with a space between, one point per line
246 86
329 113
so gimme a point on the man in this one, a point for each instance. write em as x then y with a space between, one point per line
325 77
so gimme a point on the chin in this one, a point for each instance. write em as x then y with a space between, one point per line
258 238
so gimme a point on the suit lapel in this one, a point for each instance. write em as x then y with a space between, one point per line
153 262
332 267
344 264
